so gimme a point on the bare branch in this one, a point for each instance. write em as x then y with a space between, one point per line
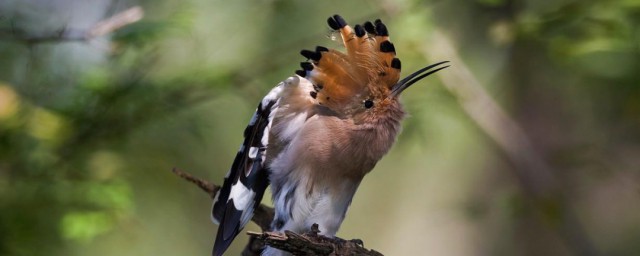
208 187
313 244
101 28
115 22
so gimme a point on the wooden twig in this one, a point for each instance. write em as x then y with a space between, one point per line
101 28
208 187
310 243
313 244
115 22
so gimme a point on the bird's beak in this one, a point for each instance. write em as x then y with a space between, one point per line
415 77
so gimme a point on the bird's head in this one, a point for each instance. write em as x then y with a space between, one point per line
364 83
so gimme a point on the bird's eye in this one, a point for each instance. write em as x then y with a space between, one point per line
368 103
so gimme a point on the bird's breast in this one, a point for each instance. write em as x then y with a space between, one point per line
326 147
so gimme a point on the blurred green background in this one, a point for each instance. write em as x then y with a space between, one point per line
90 129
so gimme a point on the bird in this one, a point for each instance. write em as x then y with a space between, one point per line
316 134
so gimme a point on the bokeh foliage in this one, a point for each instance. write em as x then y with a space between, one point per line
90 130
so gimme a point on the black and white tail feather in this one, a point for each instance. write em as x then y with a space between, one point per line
248 178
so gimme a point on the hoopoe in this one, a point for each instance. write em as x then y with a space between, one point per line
315 135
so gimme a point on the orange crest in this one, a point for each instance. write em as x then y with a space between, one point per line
368 69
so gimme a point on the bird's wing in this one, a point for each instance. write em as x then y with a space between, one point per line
248 178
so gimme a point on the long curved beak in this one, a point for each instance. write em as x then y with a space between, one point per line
415 77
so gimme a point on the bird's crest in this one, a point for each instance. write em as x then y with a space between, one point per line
368 66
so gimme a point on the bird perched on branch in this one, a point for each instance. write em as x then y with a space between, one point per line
315 135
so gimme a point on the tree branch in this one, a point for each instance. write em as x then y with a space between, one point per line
311 243
101 28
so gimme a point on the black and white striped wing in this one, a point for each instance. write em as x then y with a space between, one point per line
248 178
